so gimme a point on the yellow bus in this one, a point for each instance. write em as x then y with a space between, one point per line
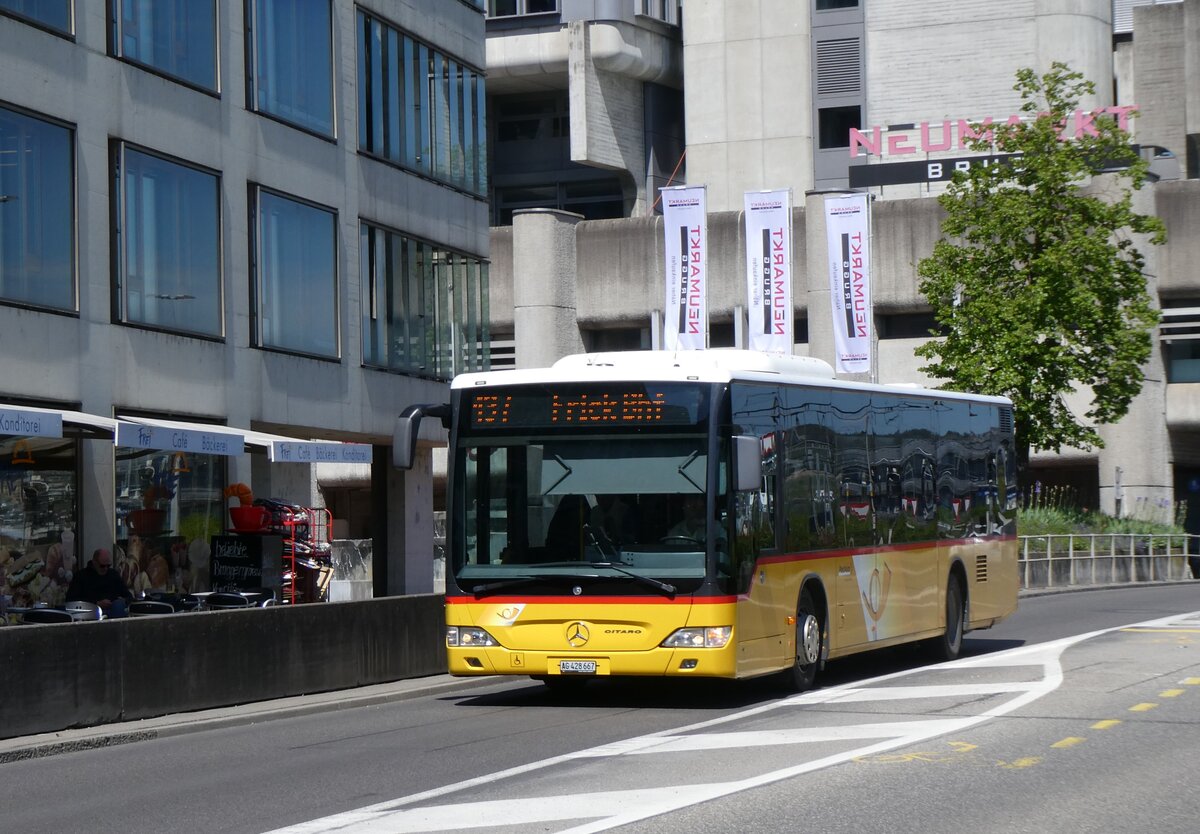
719 513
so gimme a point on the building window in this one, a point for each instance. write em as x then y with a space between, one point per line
168 243
53 14
665 10
295 275
175 37
833 5
37 208
425 308
511 8
834 123
292 62
419 108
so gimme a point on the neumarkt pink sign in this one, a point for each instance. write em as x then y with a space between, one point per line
957 134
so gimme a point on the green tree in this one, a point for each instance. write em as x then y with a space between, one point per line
1037 285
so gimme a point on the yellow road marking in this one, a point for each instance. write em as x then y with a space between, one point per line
1106 724
1070 741
1191 681
1162 630
1142 707
963 746
1028 761
1170 693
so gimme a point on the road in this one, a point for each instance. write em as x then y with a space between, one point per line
1059 718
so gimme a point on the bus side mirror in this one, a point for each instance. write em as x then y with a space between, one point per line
408 426
747 463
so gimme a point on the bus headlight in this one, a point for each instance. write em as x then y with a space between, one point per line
710 637
468 636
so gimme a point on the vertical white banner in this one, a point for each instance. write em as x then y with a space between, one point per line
685 228
846 230
769 270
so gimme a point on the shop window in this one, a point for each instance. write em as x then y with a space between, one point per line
39 515
52 14
37 209
424 308
168 243
174 37
419 108
294 249
291 62
169 505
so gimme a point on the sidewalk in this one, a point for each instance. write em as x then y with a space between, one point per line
108 735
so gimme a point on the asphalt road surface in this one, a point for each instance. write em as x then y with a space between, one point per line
1080 713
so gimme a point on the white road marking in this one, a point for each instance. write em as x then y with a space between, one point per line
603 810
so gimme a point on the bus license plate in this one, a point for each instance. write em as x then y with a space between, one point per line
577 667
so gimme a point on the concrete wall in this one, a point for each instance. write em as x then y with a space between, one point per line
85 674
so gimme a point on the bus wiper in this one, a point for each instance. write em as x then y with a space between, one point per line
515 582
665 587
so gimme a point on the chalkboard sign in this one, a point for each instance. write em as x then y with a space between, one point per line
245 562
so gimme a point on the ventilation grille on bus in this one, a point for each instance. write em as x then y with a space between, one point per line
1006 424
981 568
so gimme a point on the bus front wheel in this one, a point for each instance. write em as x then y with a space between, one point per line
810 644
949 645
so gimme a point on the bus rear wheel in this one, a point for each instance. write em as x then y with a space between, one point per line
949 645
810 645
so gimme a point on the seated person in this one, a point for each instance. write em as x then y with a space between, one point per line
614 518
98 583
691 526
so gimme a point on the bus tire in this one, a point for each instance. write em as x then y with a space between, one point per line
810 645
949 645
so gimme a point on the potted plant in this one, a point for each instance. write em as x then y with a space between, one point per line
246 517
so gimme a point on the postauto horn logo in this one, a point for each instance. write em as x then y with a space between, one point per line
577 634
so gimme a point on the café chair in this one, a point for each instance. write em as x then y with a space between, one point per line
260 597
46 615
83 611
222 601
149 608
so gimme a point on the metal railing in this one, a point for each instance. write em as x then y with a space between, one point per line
1064 560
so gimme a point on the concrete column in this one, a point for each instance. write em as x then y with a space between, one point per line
1139 445
820 315
545 321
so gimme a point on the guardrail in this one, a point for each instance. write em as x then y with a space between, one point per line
1063 560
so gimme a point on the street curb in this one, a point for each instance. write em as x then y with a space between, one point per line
112 735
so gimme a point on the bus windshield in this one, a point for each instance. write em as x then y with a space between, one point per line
611 505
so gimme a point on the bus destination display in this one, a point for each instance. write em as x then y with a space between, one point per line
547 407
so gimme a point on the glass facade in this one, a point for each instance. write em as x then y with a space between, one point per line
292 62
53 14
424 307
175 37
169 243
295 284
37 209
39 514
419 108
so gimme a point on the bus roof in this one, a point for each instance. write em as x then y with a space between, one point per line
714 365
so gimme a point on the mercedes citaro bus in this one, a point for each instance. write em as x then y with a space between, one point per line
718 514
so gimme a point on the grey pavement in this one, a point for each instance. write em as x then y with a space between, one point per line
107 735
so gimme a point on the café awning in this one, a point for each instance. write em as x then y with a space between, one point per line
176 436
